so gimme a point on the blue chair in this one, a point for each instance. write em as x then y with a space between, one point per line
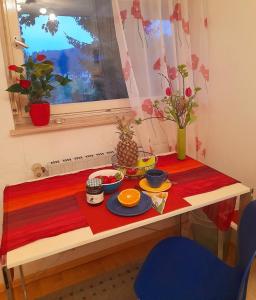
180 269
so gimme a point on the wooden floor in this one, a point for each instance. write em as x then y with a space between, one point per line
87 270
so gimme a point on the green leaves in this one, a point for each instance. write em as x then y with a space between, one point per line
182 69
138 121
15 88
19 70
179 105
40 73
62 80
192 117
42 69
29 64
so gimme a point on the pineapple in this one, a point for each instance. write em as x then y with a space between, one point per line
127 148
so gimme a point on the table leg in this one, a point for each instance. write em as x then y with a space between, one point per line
180 225
23 284
244 200
8 283
220 244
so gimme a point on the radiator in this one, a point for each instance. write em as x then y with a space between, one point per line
72 164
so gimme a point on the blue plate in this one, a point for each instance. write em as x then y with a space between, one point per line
118 209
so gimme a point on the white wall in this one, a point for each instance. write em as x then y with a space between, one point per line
232 91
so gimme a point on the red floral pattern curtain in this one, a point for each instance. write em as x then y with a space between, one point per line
154 36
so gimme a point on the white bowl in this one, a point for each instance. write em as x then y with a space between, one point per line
108 187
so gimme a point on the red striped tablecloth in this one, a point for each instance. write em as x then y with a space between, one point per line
48 207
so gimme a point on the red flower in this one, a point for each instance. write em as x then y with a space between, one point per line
172 72
168 91
204 72
176 13
185 26
188 92
126 70
40 57
159 114
146 25
198 144
147 106
25 84
123 14
135 10
157 64
205 22
195 60
13 68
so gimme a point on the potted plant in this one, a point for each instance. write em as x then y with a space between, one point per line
177 106
37 80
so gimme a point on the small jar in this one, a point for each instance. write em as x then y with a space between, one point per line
94 191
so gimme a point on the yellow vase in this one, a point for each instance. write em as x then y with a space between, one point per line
181 143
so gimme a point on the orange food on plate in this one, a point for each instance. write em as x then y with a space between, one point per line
129 197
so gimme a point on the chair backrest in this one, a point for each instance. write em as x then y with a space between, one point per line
246 244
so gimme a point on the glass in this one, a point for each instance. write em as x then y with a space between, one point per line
79 37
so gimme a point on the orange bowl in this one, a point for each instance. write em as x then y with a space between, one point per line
129 197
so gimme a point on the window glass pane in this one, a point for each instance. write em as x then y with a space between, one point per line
79 37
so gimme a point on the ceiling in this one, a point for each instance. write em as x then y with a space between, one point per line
67 7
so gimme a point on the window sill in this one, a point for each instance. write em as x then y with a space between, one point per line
69 122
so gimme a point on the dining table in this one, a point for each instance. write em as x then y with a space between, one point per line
49 216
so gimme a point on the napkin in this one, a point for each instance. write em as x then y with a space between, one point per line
158 200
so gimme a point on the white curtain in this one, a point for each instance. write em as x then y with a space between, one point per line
154 36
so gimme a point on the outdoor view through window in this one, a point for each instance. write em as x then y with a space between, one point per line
79 37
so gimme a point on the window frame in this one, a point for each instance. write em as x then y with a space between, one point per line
14 55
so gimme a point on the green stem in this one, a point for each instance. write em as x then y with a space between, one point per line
169 81
183 86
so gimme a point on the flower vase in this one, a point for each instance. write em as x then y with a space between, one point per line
181 143
40 113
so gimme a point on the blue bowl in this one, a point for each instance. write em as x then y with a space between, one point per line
108 188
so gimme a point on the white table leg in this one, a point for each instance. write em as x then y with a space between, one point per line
23 284
8 283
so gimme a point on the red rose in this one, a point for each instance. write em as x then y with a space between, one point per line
188 92
25 84
168 91
13 68
40 57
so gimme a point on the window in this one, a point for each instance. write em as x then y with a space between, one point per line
79 37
